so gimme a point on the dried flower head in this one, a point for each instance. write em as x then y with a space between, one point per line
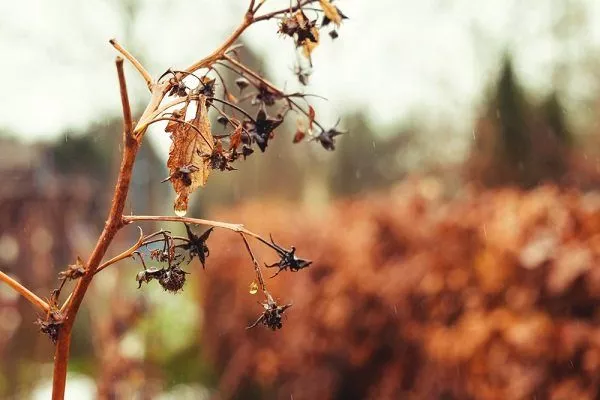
52 323
197 246
287 259
73 271
173 279
272 315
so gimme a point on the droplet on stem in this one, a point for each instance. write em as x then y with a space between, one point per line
180 212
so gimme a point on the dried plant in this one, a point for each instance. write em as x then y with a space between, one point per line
184 98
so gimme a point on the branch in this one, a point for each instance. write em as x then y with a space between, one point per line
251 6
126 254
122 256
257 269
219 52
145 74
253 74
159 91
283 11
113 224
197 221
144 123
26 293
269 85
127 121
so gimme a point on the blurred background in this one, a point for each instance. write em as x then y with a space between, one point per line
454 231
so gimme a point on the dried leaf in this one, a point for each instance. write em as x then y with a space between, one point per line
188 163
311 117
300 132
177 114
236 138
308 45
331 12
231 98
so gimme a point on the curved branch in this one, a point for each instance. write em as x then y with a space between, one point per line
232 106
219 52
257 269
197 221
186 123
145 74
144 123
253 74
126 254
23 291
127 120
270 15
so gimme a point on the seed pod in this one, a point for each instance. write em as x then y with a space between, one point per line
173 280
242 83
222 120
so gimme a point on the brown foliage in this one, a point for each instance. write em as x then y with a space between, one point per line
491 296
189 163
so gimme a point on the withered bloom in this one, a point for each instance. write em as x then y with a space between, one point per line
287 259
272 315
197 246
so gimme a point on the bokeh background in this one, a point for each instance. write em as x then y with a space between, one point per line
455 231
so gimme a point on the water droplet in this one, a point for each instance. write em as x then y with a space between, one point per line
253 288
180 213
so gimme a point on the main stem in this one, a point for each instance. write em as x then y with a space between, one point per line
113 224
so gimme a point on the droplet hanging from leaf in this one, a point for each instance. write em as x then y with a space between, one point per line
253 288
180 212
188 162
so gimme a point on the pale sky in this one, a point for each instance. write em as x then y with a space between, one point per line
400 60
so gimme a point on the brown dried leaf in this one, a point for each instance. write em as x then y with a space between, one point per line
300 131
331 12
188 163
236 137
308 45
177 114
311 117
231 98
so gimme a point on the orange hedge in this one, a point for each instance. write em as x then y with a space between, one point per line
488 296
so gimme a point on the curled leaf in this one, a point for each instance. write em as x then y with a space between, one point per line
236 138
308 44
311 117
300 132
188 165
331 12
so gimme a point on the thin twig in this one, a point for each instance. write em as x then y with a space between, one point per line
218 54
269 85
251 7
144 123
23 291
126 254
186 123
257 269
253 74
283 11
127 120
159 91
232 227
304 112
232 106
145 74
